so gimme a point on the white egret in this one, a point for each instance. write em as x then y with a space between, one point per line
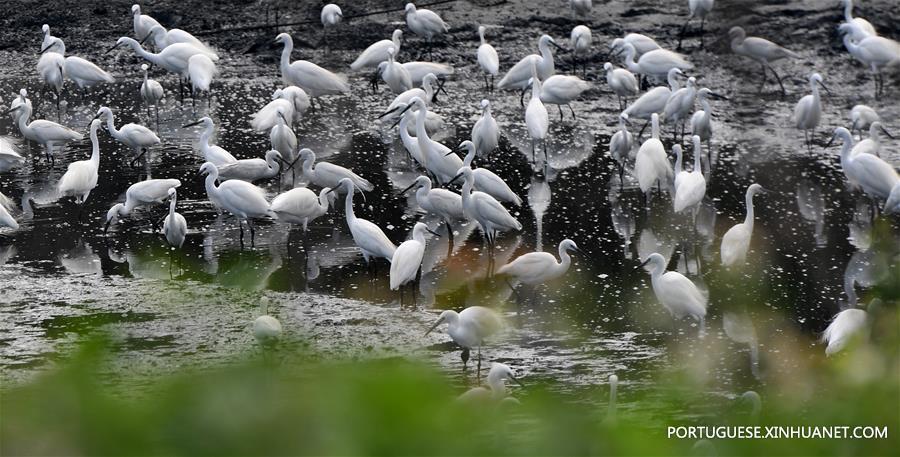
872 144
47 133
174 225
211 153
680 105
407 130
580 7
862 116
701 121
313 79
395 75
435 155
539 267
876 177
478 206
736 241
486 132
163 38
52 69
654 101
404 100
519 75
142 22
651 164
143 193
580 39
16 101
82 72
873 51
370 239
622 82
808 111
678 294
892 205
620 145
487 60
485 180
292 100
846 326
6 219
760 50
174 58
656 63
283 138
406 264
9 155
254 169
865 27
240 198
418 70
443 203
301 205
496 390
425 23
698 8
267 330
377 52
201 71
537 120
331 16
137 137
45 32
561 90
81 176
151 93
326 174
690 187
642 43
470 328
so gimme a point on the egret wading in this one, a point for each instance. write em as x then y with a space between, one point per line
151 93
443 203
519 76
485 180
406 264
469 329
174 225
301 206
808 111
496 391
480 207
651 166
536 268
537 120
760 50
736 241
240 198
144 193
47 133
678 294
326 174
211 153
370 239
81 176
486 132
313 79
621 144
137 137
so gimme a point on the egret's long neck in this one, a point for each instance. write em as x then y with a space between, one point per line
419 235
748 220
704 102
422 193
673 82
536 89
657 271
111 126
421 133
565 260
206 136
308 165
655 128
286 56
145 76
95 151
148 56
470 156
611 410
848 10
429 90
698 167
845 152
815 91
481 35
172 205
396 40
348 206
498 387
467 190
679 161
211 178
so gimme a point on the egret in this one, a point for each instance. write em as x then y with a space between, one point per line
650 164
892 205
434 154
760 50
292 100
736 241
536 118
426 93
45 31
654 101
698 8
174 58
485 180
622 82
487 60
496 390
620 145
313 79
469 328
809 109
679 106
611 408
20 100
580 7
539 267
561 90
581 41
240 198
478 206
395 75
142 22
251 170
326 174
164 38
433 122
201 71
443 203
425 23
406 264
677 293
81 176
174 225
370 239
331 16
143 193
520 74
376 53
642 43
862 117
876 177
873 51
283 138
42 131
301 205
151 93
211 153
871 145
52 69
82 72
656 63
485 132
266 330
864 26
137 137
9 155
846 326
690 188
6 219
701 121
419 69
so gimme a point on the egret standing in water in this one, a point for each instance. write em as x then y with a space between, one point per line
873 51
655 63
846 326
201 71
394 74
701 121
144 193
211 153
240 198
6 219
539 267
486 132
164 38
679 106
562 90
9 155
496 391
654 100
650 164
370 239
519 76
622 82
151 93
698 8
485 180
809 109
690 188
254 169
438 201
174 58
470 328
580 40
284 140
327 174
83 73
376 53
137 137
761 50
487 60
620 146
425 23
52 68
22 99
876 177
406 264
491 216
42 131
678 294
536 118
313 79
301 206
81 177
736 241
174 225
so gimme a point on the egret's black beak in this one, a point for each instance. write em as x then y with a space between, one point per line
830 142
824 87
390 111
46 49
560 48
432 232
192 124
516 380
578 250
96 117
397 122
717 96
111 49
884 130
454 179
643 263
434 326
407 188
145 39
441 87
12 109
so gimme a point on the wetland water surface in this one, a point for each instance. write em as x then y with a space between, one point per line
64 278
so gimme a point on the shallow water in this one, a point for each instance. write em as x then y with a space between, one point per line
65 278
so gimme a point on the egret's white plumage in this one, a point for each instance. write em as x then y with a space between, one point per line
580 7
267 330
808 111
426 93
201 71
283 138
760 50
425 23
142 23
678 294
539 267
301 205
52 69
478 206
537 121
470 327
9 155
395 75
212 153
862 116
496 390
865 27
174 58
875 176
407 259
418 70
650 163
325 174
518 76
681 103
251 170
875 52
292 100
163 38
370 239
151 91
701 121
47 133
135 136
654 101
240 198
377 52
81 71
143 193
81 176
331 15
872 144
6 219
16 101
487 57
441 202
434 154
690 187
487 181
562 90
621 144
736 241
657 62
174 225
843 329
621 81
313 79
642 43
